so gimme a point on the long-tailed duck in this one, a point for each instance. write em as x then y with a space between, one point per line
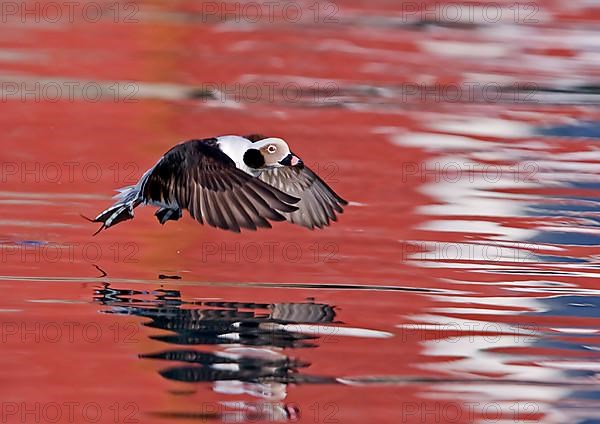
230 182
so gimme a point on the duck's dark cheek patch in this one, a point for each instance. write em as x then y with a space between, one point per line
254 159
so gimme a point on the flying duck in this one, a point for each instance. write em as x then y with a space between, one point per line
230 182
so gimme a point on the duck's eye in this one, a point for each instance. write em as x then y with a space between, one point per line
271 148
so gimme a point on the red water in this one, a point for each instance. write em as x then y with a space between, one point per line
459 286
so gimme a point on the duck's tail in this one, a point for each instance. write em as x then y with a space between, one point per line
122 210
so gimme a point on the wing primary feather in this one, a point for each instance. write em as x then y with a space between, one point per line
262 206
271 197
238 212
251 210
325 202
224 203
213 210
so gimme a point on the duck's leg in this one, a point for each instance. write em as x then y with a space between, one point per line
166 214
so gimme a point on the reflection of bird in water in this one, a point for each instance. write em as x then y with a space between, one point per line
249 360
228 365
254 326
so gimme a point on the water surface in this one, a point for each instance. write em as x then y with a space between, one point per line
460 286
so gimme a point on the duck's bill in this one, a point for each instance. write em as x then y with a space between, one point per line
291 160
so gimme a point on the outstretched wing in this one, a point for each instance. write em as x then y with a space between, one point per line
197 176
318 202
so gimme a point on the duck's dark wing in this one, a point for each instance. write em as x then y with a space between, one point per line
318 202
198 177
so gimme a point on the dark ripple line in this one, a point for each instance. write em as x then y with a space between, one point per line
316 286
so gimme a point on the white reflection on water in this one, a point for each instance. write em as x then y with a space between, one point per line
513 364
506 199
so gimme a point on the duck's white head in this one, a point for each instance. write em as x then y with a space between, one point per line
253 157
270 153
